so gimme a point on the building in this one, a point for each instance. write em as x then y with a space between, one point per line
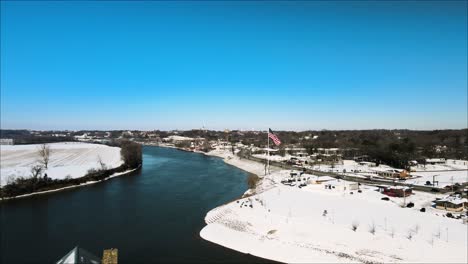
79 255
296 151
390 172
84 137
270 151
346 186
452 203
438 161
395 191
329 151
6 141
177 139
361 158
322 179
367 163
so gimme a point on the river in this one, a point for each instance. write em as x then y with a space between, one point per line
153 215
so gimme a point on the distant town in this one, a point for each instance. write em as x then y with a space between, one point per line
377 155
404 188
402 149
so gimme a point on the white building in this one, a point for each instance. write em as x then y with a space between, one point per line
435 161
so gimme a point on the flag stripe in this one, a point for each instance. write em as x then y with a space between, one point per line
273 137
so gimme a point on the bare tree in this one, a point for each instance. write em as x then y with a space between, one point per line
101 163
44 154
354 225
36 171
10 180
372 228
409 235
392 232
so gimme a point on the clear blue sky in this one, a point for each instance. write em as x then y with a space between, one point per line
237 65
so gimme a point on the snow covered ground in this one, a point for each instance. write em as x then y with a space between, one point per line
244 164
350 166
445 178
289 224
450 164
273 157
66 159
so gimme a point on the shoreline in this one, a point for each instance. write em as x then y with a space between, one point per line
309 237
117 174
269 236
228 158
250 167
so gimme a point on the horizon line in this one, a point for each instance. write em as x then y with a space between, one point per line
246 130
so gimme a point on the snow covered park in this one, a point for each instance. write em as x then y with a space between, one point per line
447 177
71 159
318 225
448 164
443 178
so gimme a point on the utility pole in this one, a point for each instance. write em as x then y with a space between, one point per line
434 181
452 183
268 152
404 196
446 229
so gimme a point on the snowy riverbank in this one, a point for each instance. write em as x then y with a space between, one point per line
67 159
231 159
68 162
70 187
315 225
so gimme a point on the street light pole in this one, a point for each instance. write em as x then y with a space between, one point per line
404 196
434 181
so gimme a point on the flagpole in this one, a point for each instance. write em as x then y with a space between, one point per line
268 152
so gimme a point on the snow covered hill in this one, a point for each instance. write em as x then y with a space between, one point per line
66 159
315 225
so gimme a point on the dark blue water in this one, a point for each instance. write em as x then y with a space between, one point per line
154 215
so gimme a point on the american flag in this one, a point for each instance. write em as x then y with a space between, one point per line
273 137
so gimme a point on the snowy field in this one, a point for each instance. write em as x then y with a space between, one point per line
66 159
449 165
445 178
444 175
289 224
